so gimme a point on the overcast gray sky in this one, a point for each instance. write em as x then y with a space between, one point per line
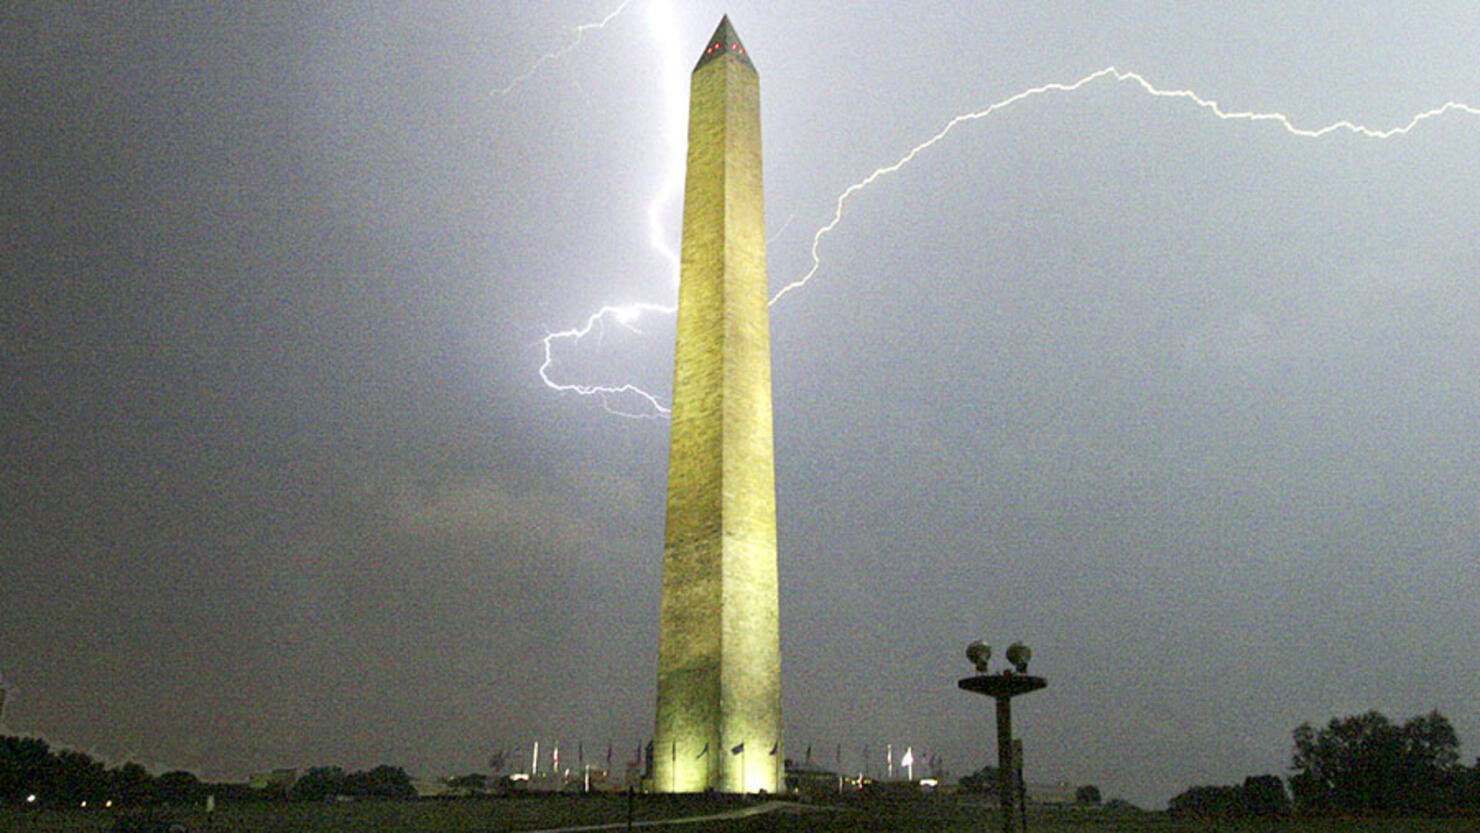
1188 404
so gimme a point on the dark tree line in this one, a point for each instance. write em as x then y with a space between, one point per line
34 774
1368 764
984 781
1259 795
1360 765
31 772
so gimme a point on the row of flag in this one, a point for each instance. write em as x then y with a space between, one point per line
737 749
502 758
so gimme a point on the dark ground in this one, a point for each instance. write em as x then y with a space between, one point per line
938 814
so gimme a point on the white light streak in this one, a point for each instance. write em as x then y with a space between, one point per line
625 316
578 33
664 26
1116 74
674 103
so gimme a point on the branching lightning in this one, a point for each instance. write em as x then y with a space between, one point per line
577 34
623 316
626 315
1113 73
665 31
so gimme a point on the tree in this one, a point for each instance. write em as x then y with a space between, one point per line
178 787
1264 795
384 781
131 785
25 768
1260 795
1087 794
78 778
1206 800
1366 764
319 783
983 780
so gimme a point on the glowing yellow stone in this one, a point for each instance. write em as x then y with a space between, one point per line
719 665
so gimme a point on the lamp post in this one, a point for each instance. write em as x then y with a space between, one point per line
1002 687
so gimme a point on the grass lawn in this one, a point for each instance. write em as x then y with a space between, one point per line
906 815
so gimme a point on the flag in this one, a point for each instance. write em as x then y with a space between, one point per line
775 747
809 753
608 756
909 757
580 753
838 757
702 752
737 748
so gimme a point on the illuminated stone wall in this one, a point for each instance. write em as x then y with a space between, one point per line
719 667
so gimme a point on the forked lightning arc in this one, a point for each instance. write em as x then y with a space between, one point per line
626 315
578 34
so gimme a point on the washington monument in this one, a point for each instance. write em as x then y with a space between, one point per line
719 652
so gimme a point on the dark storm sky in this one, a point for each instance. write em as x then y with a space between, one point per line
1187 404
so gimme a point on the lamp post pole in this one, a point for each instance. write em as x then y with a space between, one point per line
1002 688
1006 789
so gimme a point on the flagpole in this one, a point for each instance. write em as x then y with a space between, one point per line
838 765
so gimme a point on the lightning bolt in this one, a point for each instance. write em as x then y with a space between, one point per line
626 315
665 30
623 316
1107 73
577 34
